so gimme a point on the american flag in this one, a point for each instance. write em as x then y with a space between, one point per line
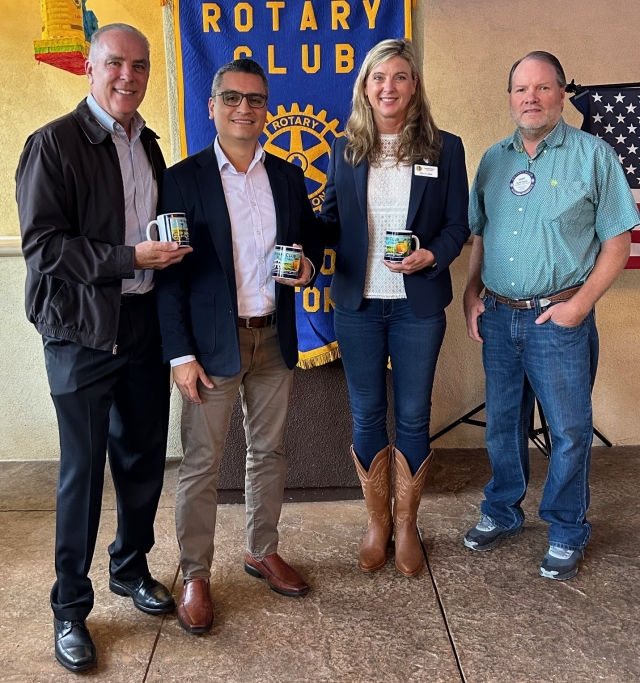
613 114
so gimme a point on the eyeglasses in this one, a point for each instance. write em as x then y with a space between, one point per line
233 99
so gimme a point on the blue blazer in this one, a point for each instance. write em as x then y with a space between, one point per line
197 298
437 215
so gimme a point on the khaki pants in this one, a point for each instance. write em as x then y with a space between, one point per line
264 382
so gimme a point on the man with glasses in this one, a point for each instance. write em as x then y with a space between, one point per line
228 326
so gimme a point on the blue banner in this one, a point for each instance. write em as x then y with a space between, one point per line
311 51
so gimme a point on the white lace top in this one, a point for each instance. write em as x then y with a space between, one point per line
387 207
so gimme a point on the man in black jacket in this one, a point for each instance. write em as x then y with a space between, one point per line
87 185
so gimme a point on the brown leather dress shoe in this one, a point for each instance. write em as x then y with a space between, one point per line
279 576
195 611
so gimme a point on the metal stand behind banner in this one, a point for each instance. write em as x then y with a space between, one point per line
538 435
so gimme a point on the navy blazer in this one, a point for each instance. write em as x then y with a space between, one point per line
437 215
197 298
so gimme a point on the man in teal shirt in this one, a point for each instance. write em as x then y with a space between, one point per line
551 211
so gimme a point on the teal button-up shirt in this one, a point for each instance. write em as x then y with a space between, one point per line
548 239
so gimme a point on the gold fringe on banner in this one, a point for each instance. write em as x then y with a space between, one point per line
313 359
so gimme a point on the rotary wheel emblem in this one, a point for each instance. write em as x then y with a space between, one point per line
303 138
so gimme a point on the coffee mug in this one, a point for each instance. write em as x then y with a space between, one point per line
172 227
397 245
286 262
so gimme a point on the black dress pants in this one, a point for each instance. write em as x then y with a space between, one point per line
115 402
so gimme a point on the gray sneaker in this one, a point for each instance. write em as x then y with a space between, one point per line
486 535
560 564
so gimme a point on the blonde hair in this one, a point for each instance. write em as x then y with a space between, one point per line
420 136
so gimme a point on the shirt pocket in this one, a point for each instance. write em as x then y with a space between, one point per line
571 205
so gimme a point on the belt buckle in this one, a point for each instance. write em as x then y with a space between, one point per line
518 304
246 323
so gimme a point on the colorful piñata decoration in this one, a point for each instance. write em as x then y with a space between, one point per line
67 27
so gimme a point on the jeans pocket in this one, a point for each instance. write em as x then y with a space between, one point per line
489 301
566 328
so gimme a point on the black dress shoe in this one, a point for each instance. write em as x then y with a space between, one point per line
74 648
148 595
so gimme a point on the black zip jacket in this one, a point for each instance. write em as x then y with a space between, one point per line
72 219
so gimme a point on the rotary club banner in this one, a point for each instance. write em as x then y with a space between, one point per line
311 51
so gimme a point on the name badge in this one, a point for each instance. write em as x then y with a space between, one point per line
522 183
426 171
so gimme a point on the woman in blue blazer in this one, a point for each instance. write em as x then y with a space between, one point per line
393 170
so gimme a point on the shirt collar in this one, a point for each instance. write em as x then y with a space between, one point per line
553 139
223 161
110 124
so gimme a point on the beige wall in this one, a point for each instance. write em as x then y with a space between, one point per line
469 46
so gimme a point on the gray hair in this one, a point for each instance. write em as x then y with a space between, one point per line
245 66
125 28
541 56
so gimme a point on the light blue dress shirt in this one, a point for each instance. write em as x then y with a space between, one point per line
140 187
543 219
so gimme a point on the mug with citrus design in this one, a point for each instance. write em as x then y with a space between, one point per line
397 245
286 262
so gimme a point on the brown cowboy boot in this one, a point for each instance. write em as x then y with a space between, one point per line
376 486
408 489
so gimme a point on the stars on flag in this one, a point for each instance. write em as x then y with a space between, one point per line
614 116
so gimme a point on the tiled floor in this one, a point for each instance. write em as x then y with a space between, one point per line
475 618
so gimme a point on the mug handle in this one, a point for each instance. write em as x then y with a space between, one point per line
149 227
415 237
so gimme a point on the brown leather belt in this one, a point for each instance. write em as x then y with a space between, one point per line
527 304
263 321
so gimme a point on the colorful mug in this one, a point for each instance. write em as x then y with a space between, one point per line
172 227
286 262
397 245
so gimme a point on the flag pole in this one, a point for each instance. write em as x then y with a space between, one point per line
574 87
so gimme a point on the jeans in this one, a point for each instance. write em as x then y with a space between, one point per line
381 329
560 365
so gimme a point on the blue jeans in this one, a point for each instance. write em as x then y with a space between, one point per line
381 329
560 365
